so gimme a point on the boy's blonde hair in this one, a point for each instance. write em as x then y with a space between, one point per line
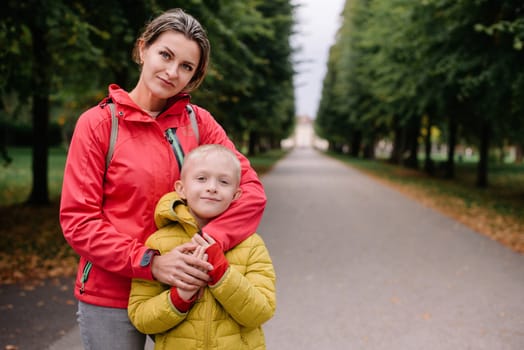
214 149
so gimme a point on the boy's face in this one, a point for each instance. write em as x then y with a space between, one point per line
209 186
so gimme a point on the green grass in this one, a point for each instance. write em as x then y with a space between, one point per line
264 162
16 178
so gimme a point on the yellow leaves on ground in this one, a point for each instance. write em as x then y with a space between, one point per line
20 267
32 246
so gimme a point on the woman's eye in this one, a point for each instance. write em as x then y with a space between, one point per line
165 54
188 67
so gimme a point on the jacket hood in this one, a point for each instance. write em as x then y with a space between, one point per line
171 208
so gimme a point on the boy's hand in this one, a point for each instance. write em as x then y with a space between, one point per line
203 240
215 256
189 293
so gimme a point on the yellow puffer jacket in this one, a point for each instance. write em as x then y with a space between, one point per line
229 315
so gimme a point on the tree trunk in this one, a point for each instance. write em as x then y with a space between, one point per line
253 143
413 134
3 140
518 153
369 150
482 169
452 142
428 162
398 143
40 112
356 141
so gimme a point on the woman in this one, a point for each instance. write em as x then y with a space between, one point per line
107 214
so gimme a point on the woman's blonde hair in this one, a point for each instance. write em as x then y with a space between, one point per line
179 21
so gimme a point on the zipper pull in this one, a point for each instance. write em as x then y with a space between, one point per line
169 136
85 275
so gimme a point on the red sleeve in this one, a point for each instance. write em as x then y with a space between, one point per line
181 304
244 215
220 264
83 222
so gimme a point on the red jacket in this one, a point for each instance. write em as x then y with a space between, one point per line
107 218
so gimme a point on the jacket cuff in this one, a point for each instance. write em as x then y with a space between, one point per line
143 263
181 304
220 264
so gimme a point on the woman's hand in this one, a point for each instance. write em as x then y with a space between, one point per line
180 268
190 293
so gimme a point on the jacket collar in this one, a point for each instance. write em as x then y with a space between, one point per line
131 111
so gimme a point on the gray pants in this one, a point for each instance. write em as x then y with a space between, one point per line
104 328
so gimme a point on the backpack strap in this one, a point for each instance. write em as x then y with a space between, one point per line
114 134
109 155
173 139
194 124
175 145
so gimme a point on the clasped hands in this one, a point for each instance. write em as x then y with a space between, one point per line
185 267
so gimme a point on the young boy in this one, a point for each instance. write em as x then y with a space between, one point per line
240 296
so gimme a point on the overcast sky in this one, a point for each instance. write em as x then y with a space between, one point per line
317 24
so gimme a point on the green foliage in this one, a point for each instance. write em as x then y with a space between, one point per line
249 85
59 57
394 62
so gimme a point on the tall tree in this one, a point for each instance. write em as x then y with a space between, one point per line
79 47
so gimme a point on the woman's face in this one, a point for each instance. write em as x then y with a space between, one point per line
169 63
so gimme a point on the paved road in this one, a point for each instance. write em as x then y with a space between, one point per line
360 266
36 315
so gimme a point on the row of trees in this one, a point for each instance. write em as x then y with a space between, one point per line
58 58
401 68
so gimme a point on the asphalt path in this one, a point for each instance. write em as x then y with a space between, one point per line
359 266
35 315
